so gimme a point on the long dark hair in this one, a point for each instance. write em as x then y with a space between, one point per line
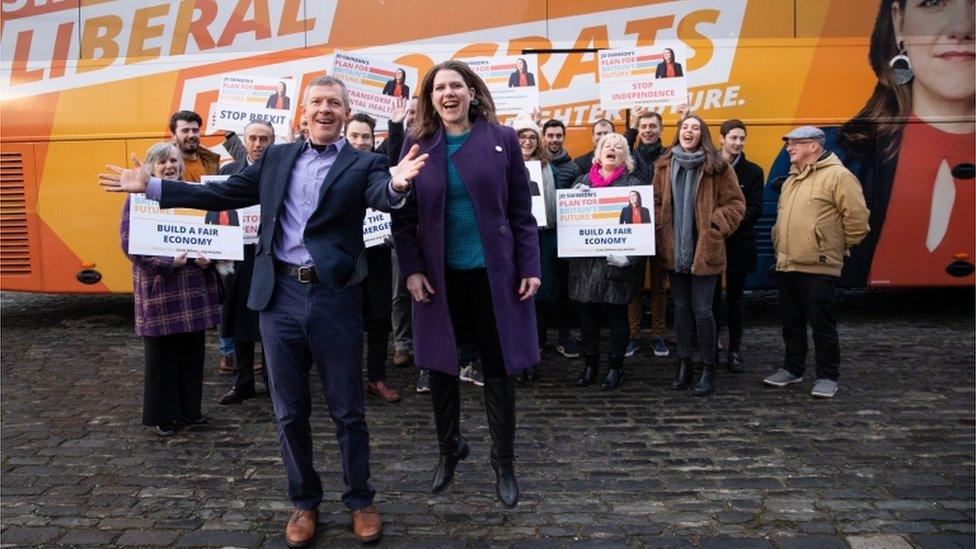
640 200
426 121
714 163
883 116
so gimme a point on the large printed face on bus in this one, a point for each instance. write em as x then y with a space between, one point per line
326 113
939 40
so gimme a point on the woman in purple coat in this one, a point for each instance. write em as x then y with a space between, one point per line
176 301
467 245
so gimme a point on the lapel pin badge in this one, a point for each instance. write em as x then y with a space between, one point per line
498 148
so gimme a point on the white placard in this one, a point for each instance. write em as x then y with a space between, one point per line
371 82
513 91
538 192
234 118
249 218
170 232
376 227
639 77
257 91
597 222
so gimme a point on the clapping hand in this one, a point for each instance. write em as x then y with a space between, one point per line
407 169
125 180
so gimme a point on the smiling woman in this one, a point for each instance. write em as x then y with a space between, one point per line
466 242
912 145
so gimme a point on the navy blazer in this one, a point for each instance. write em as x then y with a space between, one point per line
334 232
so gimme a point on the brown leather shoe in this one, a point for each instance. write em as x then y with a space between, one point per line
384 391
301 527
226 367
367 524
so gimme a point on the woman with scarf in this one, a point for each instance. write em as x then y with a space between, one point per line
603 286
697 204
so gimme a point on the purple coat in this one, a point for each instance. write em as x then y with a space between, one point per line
167 300
491 167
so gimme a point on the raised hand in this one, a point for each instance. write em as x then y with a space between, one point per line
125 180
179 260
399 110
408 168
537 116
635 116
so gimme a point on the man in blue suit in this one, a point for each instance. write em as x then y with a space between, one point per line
309 262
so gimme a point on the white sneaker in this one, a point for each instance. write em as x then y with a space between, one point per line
782 378
471 375
824 388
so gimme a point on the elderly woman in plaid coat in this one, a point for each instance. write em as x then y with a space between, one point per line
176 301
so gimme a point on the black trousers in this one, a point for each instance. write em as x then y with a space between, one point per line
809 299
735 286
473 317
173 388
377 348
244 360
616 320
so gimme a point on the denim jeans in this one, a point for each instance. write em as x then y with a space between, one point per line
226 346
692 295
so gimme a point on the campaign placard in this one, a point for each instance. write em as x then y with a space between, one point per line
170 232
538 191
234 118
257 91
373 84
650 76
610 220
249 218
376 227
511 81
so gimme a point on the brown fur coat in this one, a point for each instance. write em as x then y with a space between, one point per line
718 210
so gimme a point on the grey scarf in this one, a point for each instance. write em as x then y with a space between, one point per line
684 194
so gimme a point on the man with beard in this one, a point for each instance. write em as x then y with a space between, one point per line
553 136
184 126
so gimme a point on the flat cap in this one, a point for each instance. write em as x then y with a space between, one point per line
807 132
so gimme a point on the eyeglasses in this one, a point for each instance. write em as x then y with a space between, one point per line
528 138
795 142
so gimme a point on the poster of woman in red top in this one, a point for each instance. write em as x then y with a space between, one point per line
912 147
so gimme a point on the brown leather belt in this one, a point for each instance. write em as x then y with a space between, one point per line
303 274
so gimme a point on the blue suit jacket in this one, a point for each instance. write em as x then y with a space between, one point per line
334 232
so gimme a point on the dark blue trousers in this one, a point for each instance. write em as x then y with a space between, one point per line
309 324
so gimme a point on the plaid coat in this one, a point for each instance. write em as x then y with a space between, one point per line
167 300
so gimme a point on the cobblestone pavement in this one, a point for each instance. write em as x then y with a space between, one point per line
888 463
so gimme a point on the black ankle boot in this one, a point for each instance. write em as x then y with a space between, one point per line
735 362
706 384
453 447
615 375
590 371
500 407
683 375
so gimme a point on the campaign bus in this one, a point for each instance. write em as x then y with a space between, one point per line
88 83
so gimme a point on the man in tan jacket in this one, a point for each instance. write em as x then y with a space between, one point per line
820 216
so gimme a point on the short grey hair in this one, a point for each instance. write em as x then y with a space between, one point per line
162 151
328 81
264 123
